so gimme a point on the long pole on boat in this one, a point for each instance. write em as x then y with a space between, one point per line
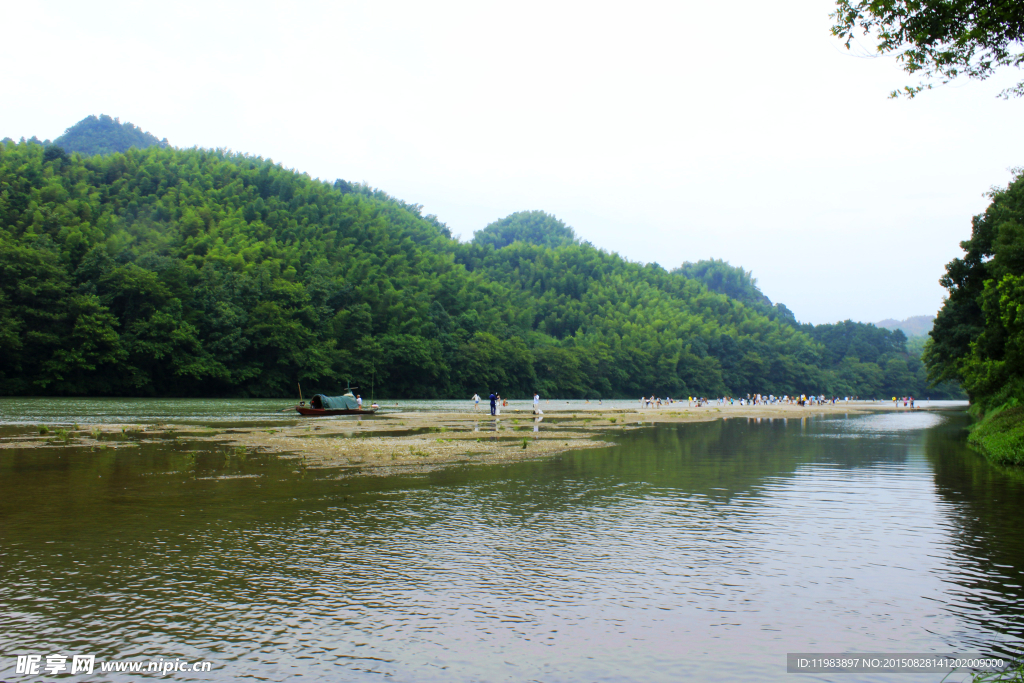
300 398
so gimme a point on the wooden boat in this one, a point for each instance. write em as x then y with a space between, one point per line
322 406
314 412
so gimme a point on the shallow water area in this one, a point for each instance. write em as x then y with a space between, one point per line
252 412
705 550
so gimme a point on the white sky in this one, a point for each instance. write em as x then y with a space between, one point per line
665 131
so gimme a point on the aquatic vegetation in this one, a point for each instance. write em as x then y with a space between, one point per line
1013 674
44 430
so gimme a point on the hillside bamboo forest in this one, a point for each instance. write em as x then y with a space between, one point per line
147 270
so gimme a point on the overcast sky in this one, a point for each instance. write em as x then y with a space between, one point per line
664 131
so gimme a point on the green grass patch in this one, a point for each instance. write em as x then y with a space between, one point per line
1000 435
1013 674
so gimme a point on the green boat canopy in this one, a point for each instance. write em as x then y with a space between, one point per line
346 402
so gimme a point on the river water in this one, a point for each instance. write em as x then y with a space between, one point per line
686 552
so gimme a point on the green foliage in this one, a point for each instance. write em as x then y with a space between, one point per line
104 135
978 336
531 227
735 283
1000 435
165 272
721 277
1012 674
942 39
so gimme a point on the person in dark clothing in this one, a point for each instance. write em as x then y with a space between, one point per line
494 402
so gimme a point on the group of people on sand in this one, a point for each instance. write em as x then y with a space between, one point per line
653 401
749 400
497 402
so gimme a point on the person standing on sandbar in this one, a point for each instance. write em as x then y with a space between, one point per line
494 402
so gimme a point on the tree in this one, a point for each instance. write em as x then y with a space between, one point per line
978 337
941 39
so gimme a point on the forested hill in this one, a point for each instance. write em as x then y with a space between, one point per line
173 272
101 135
736 283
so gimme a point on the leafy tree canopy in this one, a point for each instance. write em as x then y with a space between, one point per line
940 39
104 135
730 280
166 272
531 227
978 335
736 283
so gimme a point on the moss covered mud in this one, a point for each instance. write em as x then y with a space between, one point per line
412 441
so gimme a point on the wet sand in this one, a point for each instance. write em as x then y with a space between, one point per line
398 442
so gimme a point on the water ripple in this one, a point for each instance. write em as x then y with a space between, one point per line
700 552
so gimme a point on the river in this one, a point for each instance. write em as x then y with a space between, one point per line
686 552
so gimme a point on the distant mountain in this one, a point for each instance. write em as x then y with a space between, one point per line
914 326
104 135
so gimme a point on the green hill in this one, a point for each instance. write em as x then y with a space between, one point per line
531 227
97 135
171 272
735 283
104 135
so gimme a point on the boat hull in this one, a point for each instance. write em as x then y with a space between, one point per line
319 412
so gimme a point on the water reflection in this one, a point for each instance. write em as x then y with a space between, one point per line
983 560
696 551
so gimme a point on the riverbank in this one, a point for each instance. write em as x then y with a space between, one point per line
1000 435
417 441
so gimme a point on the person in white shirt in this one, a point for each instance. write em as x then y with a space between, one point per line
476 401
536 404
